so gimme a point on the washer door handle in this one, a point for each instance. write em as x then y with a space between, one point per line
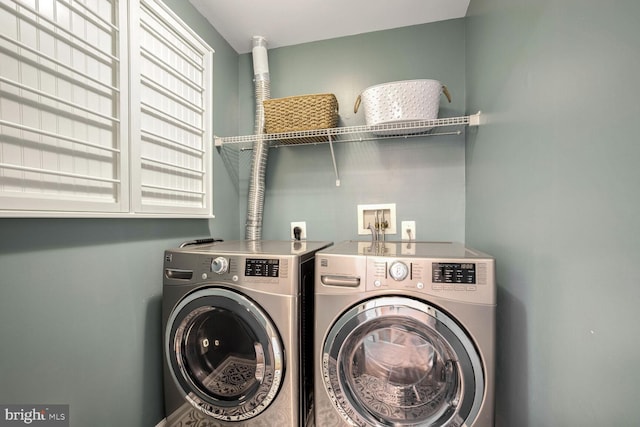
451 377
260 364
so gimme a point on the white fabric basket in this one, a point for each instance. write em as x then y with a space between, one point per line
400 102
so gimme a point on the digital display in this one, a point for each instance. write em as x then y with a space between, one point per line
463 273
260 267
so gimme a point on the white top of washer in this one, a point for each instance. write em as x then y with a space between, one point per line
405 249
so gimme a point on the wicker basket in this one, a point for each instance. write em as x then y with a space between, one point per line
299 113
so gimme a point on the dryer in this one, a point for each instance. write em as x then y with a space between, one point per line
234 317
405 335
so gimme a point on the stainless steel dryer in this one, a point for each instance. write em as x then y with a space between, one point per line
234 316
404 335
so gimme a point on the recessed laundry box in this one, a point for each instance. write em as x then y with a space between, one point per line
401 102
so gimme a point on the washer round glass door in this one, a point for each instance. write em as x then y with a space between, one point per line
224 353
395 361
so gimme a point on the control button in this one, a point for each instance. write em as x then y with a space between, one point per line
398 271
460 288
204 276
220 265
235 278
472 288
420 285
377 283
436 287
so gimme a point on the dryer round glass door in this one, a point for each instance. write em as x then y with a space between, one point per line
224 353
395 361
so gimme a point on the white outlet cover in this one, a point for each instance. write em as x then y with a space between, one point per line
408 225
303 226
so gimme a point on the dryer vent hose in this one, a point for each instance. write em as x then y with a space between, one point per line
255 202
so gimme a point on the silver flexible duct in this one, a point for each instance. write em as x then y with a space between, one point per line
255 202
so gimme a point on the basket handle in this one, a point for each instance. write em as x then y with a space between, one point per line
357 105
446 93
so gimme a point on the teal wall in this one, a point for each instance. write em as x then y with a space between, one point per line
552 192
80 298
424 177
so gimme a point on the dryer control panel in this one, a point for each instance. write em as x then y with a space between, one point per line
269 273
262 267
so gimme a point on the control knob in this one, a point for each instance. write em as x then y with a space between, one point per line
220 265
398 271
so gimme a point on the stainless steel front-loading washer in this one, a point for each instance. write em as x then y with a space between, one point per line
234 317
405 335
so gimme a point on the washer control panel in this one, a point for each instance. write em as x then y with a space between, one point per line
454 272
459 279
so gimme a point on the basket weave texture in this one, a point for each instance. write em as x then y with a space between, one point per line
300 113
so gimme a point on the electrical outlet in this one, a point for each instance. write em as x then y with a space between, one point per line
408 230
303 230
379 216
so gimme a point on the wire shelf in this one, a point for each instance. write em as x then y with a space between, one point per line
409 129
357 133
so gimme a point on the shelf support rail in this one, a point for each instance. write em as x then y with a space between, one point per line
333 159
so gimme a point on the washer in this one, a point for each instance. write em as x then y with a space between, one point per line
405 335
234 316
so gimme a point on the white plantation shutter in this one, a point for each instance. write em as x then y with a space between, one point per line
87 131
173 79
63 145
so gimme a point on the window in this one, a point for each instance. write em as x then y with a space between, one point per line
89 129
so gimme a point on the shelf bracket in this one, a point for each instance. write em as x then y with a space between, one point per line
333 159
474 119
